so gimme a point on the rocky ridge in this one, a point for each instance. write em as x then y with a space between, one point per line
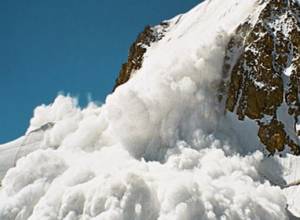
263 65
261 72
137 50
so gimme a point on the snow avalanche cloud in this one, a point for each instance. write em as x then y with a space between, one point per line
159 148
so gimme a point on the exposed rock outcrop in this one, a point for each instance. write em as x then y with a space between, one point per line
137 51
262 68
261 72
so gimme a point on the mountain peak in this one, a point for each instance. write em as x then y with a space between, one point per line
260 71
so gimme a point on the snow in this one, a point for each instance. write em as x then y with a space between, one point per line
260 85
159 148
290 169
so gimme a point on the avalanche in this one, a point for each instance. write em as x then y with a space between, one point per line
159 148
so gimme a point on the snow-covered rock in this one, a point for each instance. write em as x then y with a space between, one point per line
161 146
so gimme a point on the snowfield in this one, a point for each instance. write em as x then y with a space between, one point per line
159 148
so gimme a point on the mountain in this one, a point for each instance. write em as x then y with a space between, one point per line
260 73
198 109
262 62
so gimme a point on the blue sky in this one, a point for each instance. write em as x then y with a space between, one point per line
73 46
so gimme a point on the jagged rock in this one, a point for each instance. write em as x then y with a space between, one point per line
137 51
262 73
272 135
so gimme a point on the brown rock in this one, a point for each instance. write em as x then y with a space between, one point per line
137 51
258 85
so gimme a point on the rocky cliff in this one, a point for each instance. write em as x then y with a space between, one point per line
263 65
137 50
261 72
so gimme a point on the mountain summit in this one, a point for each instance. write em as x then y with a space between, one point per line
261 75
202 102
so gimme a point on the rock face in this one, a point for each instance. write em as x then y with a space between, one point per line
137 51
262 74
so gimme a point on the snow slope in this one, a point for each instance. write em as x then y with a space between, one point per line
159 148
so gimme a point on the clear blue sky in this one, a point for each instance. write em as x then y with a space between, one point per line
74 46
